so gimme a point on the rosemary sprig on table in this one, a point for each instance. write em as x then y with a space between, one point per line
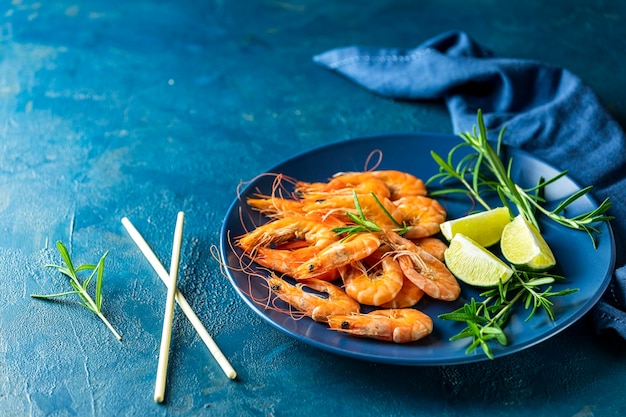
71 272
485 319
484 171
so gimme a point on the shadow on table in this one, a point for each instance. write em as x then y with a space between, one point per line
559 376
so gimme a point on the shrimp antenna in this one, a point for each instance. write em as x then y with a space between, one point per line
375 153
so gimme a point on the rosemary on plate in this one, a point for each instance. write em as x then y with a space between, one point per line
80 289
362 224
484 171
480 172
486 319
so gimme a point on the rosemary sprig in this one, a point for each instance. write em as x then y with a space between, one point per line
363 224
486 319
481 172
88 302
484 171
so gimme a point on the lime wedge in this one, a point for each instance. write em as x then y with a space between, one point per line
475 265
523 246
485 228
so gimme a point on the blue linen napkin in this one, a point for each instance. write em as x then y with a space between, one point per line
550 110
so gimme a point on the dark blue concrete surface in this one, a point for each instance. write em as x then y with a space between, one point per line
143 108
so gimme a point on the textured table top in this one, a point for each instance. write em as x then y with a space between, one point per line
145 108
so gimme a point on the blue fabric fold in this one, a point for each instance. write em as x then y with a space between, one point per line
547 110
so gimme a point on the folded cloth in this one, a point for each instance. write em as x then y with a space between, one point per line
547 110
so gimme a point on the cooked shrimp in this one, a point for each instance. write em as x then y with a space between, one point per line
286 261
339 205
408 296
380 215
286 229
338 254
332 300
401 184
393 325
373 285
276 207
423 214
380 269
343 184
432 245
280 203
423 269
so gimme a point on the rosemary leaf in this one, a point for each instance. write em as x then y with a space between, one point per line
364 225
484 320
80 289
484 170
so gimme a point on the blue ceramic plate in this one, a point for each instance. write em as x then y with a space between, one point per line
585 268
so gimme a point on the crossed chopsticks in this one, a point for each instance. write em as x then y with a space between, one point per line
173 295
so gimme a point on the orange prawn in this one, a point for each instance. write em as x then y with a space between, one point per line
408 296
286 229
423 214
423 269
339 253
343 184
276 207
375 285
432 245
393 325
320 307
381 269
401 184
370 205
286 261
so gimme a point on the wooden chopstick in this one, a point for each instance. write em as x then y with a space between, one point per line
166 334
180 299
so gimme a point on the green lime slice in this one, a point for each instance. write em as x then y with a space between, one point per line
473 264
485 228
523 246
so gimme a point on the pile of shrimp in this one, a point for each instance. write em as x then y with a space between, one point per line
329 276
